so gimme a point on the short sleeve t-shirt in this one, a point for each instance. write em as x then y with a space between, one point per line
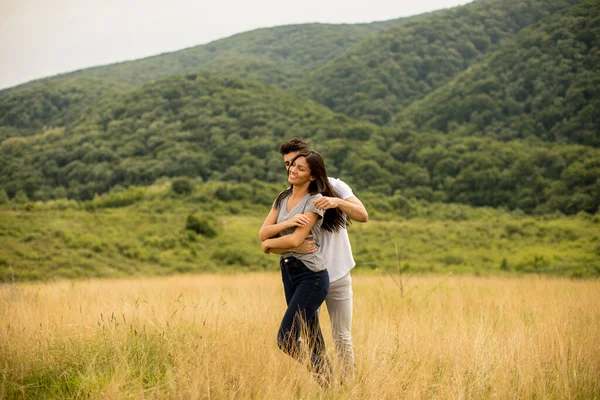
313 261
335 246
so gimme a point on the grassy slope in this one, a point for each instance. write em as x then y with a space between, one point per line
148 237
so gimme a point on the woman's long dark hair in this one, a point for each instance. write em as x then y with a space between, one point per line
334 219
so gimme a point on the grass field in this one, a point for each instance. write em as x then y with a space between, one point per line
213 336
490 310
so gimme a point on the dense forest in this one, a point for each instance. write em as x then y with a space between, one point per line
495 103
544 83
385 73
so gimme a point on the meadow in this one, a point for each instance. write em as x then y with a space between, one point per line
123 297
213 336
142 232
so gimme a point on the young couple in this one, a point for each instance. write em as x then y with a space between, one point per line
307 227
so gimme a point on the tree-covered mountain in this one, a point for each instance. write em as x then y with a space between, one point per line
52 103
279 56
222 128
209 126
288 51
544 83
383 74
515 129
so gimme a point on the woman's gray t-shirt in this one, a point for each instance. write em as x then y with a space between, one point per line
313 261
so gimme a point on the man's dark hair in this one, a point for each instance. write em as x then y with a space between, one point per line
292 145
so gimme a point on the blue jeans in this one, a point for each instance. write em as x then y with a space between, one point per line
305 291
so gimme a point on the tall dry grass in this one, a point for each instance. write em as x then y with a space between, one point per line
214 337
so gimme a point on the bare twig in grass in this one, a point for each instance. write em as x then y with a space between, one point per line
12 287
400 270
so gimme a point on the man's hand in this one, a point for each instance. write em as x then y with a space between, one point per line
307 247
352 207
325 203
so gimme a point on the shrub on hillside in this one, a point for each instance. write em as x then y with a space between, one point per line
228 192
20 197
230 257
117 198
182 186
204 225
3 197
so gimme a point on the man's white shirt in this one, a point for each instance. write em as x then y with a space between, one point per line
335 247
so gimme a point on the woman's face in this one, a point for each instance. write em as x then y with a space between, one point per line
299 172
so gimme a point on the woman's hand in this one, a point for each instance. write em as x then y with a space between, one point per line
264 247
298 220
293 239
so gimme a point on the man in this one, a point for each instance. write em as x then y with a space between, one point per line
337 252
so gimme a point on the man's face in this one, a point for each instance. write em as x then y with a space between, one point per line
287 158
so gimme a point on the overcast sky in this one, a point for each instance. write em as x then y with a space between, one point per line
40 38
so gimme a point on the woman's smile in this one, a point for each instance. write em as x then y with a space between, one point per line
299 171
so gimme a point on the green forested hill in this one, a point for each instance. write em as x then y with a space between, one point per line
278 56
63 101
222 128
475 139
50 104
285 51
202 125
385 73
545 83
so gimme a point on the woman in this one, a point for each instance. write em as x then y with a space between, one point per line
305 279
